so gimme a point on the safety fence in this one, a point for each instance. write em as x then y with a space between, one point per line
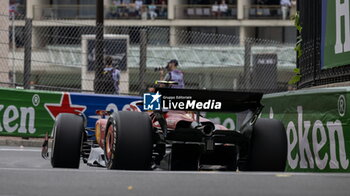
313 72
59 55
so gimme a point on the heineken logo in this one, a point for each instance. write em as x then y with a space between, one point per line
14 118
318 144
36 100
342 10
341 105
19 118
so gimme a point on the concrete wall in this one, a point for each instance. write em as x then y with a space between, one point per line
34 10
241 4
171 8
4 37
280 34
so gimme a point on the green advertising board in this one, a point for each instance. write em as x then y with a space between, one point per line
27 113
335 43
318 128
23 113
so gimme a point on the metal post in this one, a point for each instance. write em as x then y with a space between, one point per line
247 61
99 46
27 53
143 59
13 49
297 34
316 33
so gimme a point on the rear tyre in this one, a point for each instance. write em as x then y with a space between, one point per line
185 157
268 150
128 141
67 141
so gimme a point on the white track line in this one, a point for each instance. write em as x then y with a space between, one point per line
19 150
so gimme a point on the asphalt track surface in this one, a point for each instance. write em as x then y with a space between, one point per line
24 172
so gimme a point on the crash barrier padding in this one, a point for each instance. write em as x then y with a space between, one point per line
29 113
317 126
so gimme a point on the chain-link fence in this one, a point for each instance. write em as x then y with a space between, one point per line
312 72
60 56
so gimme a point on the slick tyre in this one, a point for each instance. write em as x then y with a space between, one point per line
128 141
67 141
268 149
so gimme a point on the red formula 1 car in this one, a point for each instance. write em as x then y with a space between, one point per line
175 139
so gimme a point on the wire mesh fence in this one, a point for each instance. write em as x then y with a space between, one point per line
62 57
313 72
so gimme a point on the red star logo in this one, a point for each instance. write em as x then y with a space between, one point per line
64 107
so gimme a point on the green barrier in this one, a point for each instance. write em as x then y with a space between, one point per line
26 113
317 125
22 113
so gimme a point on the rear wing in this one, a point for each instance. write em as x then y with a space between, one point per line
231 101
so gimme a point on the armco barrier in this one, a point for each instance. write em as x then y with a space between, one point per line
317 125
31 113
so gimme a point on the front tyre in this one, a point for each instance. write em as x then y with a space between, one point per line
128 141
67 141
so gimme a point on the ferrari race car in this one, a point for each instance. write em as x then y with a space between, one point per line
173 139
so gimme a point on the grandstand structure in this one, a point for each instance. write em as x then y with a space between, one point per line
244 18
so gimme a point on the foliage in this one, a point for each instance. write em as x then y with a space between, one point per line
296 78
299 28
